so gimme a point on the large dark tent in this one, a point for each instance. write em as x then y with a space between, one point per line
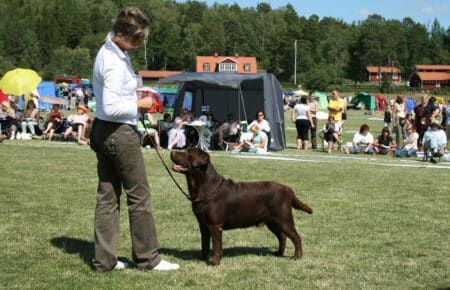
240 94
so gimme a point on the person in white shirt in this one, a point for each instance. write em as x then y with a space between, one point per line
302 117
115 140
362 142
435 141
399 117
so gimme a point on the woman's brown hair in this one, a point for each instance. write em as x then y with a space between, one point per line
132 23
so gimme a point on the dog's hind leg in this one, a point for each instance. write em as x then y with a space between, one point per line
290 231
275 229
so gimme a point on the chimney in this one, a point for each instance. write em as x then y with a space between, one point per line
216 54
236 55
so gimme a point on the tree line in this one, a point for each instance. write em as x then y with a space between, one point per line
58 37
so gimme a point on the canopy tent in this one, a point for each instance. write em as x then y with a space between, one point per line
382 102
322 99
46 89
240 94
367 99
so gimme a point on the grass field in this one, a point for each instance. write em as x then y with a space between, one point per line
378 222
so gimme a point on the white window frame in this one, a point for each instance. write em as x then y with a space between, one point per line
247 67
228 67
206 66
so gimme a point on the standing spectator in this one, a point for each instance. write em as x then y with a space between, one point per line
388 114
421 121
362 142
335 108
115 140
313 108
30 118
301 116
399 117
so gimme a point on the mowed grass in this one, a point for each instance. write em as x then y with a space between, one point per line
378 222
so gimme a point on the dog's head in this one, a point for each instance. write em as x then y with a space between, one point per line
188 161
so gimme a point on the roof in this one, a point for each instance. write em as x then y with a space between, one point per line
433 67
156 74
434 76
383 69
219 59
219 79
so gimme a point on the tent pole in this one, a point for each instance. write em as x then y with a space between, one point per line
241 100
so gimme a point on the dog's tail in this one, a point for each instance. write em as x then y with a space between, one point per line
298 204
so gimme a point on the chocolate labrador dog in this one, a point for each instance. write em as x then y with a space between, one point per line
222 204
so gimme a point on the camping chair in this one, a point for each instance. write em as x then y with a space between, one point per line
325 143
426 152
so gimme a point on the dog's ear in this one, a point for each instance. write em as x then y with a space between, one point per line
198 157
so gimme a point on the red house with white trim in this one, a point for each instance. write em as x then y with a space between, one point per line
376 73
430 76
231 64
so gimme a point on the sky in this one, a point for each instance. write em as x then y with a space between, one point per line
422 11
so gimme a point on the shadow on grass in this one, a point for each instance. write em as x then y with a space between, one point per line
73 246
85 250
227 252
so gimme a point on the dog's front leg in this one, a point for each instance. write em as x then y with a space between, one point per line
216 234
206 241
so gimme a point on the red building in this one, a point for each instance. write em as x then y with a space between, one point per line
376 73
430 76
231 64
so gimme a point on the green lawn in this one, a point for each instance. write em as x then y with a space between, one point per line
378 222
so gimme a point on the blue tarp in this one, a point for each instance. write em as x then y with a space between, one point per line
46 89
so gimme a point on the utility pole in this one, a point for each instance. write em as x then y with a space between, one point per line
295 62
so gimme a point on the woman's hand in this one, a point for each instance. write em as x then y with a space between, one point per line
144 103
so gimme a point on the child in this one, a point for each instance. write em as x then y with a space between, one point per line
330 133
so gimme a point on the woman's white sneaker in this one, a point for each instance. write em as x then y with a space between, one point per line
166 266
120 265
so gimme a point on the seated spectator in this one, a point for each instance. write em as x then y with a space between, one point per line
409 144
54 121
78 124
330 133
147 131
434 141
362 142
263 124
8 121
257 143
385 144
30 118
176 134
227 132
164 126
166 122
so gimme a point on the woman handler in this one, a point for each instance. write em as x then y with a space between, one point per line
115 140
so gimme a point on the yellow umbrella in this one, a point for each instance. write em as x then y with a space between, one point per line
20 81
63 84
